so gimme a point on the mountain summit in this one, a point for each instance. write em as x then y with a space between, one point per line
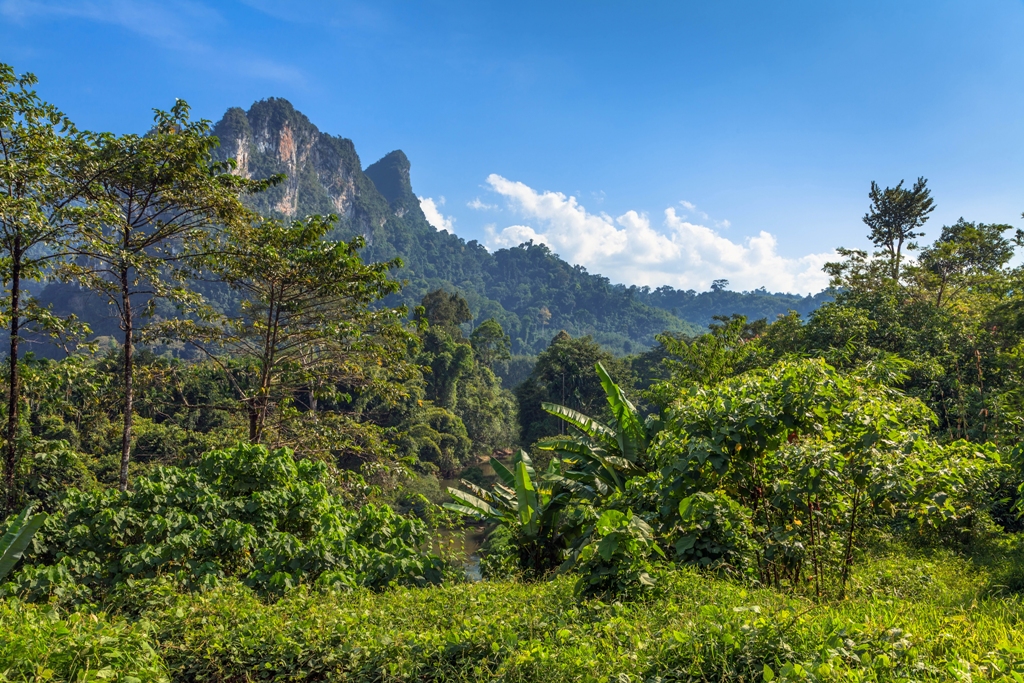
531 291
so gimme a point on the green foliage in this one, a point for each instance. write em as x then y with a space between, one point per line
613 557
17 537
714 532
489 412
42 200
160 195
41 643
490 343
601 457
896 215
922 619
246 512
446 310
50 471
439 437
305 320
530 509
814 457
564 375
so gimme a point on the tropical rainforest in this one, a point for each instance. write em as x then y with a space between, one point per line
262 422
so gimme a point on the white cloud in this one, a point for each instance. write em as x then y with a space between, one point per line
692 209
434 215
628 249
479 205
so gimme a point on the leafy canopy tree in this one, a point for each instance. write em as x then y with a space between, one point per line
963 255
40 202
305 322
895 215
447 310
564 374
490 343
445 349
161 195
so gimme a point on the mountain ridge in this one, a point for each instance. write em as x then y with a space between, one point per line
530 290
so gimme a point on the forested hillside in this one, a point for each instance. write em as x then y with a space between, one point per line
528 289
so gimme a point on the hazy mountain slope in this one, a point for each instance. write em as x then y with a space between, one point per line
531 291
528 289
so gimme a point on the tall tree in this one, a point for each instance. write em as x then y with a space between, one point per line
446 309
39 202
162 195
895 215
963 253
306 321
490 343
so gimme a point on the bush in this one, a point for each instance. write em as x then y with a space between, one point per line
615 558
48 472
246 512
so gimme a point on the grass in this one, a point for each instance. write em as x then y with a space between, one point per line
924 618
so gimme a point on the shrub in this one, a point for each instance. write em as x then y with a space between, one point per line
246 512
614 560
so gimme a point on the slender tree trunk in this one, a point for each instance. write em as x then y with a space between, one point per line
14 386
848 560
254 418
129 376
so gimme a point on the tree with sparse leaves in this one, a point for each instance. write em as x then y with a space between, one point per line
895 217
40 202
162 195
306 321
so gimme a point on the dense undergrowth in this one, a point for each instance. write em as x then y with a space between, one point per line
933 617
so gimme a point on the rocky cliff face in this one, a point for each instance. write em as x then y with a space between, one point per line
529 290
323 173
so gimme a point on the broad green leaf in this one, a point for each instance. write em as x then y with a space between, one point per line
12 549
526 497
472 501
504 473
609 521
630 434
607 547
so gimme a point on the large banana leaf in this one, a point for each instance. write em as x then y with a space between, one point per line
592 428
611 469
504 473
524 457
16 539
526 497
476 507
630 432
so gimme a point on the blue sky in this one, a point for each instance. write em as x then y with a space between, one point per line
657 143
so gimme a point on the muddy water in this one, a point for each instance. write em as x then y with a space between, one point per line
465 543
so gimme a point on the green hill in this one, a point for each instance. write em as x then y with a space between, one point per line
529 289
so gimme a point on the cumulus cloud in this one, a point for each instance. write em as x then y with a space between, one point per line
629 249
432 211
691 208
479 205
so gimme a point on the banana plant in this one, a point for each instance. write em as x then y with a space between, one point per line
602 457
530 505
17 537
